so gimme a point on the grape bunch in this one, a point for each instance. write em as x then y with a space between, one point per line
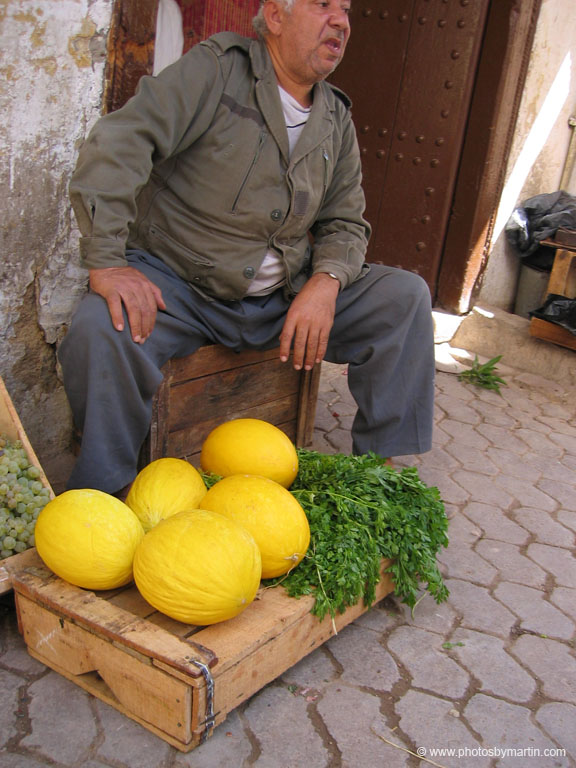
22 496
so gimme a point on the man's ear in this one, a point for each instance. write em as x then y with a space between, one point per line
274 14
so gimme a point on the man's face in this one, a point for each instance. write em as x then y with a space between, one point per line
312 39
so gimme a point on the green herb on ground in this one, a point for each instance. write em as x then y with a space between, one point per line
484 374
360 511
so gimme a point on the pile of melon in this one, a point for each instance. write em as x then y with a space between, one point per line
196 554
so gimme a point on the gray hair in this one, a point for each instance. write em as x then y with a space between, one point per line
259 22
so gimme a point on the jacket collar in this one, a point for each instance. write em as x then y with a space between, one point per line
320 122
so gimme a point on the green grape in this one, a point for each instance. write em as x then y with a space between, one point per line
22 497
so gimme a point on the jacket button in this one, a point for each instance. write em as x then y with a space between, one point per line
249 272
276 214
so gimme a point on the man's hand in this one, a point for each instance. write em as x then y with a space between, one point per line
309 322
141 298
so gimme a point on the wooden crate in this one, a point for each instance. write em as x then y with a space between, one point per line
562 282
176 680
216 384
11 426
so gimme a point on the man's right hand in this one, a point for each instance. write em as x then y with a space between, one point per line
141 298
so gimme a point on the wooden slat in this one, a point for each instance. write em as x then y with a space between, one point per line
108 621
138 687
542 329
11 427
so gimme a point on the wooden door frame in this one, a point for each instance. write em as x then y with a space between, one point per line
500 80
501 74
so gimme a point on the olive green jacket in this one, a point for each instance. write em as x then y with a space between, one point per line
195 170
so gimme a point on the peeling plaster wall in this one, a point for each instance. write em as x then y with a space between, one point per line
52 57
541 141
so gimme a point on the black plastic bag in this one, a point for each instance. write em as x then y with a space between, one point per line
558 310
537 219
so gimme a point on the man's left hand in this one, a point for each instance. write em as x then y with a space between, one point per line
309 322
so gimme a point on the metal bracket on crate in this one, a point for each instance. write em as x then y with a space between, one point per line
209 680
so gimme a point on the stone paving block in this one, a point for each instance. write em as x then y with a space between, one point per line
228 747
471 459
508 726
465 434
340 441
495 414
495 524
436 617
451 492
384 616
314 670
554 469
564 493
566 442
535 612
512 565
462 532
540 443
9 685
558 425
559 721
567 518
482 489
429 667
565 599
439 458
439 436
363 660
54 701
486 658
463 563
432 723
24 761
478 608
357 729
281 725
525 493
126 741
450 385
561 563
457 409
552 662
502 437
543 527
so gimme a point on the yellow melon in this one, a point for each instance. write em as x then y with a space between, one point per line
198 567
250 446
271 514
88 538
163 488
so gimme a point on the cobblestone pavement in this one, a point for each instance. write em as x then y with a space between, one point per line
492 669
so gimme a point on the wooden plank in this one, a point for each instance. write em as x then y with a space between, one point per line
236 389
214 358
102 618
542 329
11 427
563 275
187 441
136 684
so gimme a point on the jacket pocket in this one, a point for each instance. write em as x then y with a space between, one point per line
176 247
248 174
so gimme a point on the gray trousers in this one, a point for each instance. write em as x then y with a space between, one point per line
382 329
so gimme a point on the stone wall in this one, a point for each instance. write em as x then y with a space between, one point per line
52 58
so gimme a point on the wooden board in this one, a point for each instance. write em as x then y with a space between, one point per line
177 680
216 384
11 427
562 282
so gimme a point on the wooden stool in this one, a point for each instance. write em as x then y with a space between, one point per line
563 283
216 384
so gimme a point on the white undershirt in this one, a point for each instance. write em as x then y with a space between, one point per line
271 274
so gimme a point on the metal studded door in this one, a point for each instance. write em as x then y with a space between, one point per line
409 69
